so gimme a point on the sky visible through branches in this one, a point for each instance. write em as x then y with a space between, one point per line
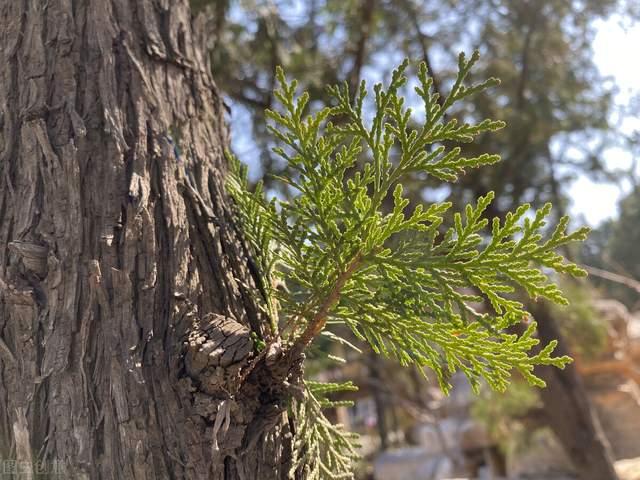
592 200
598 201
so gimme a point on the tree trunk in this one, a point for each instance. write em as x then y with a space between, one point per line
379 400
567 408
127 306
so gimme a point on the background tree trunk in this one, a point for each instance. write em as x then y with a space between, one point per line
379 399
567 409
126 302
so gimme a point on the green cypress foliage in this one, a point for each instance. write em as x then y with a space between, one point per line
395 276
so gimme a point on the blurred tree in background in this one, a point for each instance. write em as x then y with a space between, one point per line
556 104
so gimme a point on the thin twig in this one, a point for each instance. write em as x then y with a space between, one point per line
319 320
613 277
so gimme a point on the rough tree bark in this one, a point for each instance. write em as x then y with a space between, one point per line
127 304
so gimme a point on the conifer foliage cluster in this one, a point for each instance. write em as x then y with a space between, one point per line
352 250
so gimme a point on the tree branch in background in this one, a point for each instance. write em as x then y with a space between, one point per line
632 283
360 51
522 83
412 13
270 17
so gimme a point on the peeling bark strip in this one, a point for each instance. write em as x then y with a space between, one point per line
126 302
